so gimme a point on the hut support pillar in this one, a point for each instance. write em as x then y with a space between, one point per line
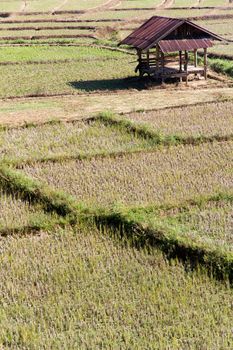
195 58
157 58
163 63
180 61
205 63
186 65
148 58
139 52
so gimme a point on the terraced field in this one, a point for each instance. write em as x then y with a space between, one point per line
116 215
165 175
197 120
64 140
102 268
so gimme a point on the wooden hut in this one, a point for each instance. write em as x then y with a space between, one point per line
158 37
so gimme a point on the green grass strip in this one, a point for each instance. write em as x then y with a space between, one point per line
131 225
199 201
218 263
222 66
28 189
145 131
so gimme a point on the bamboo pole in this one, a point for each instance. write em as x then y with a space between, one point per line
195 58
205 63
162 60
148 58
186 65
180 60
157 58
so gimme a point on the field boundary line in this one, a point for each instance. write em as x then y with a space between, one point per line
39 37
32 191
47 28
218 263
62 20
25 125
183 205
55 61
19 164
144 131
98 93
28 230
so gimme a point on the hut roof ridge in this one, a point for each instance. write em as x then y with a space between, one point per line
158 28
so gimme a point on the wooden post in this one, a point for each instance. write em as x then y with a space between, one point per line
148 58
180 57
157 58
186 65
205 63
139 66
139 56
195 58
180 61
162 59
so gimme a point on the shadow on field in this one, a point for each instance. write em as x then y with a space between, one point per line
110 84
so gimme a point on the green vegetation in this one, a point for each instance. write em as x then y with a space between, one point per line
197 120
60 78
116 229
34 192
44 53
102 136
222 66
61 141
18 216
78 289
166 174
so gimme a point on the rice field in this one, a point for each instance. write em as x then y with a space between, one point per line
203 3
168 174
48 5
223 49
79 288
60 78
17 214
60 140
56 53
198 120
73 286
209 224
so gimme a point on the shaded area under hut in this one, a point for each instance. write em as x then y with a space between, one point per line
159 38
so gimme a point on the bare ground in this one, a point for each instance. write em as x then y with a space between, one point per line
165 4
40 110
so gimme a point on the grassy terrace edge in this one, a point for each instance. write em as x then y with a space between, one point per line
144 131
218 263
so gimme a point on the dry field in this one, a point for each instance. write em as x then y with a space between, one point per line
64 140
208 223
198 120
81 289
19 217
38 110
115 194
168 174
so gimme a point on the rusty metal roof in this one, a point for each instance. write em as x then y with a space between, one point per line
184 45
157 28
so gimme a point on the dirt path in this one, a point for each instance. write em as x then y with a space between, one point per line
23 6
197 3
59 7
40 110
107 5
165 4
